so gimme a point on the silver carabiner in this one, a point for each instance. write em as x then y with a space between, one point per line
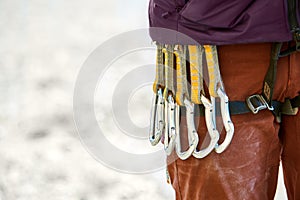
226 121
157 118
170 130
211 127
192 133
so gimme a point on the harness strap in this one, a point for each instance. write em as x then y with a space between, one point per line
293 20
295 102
294 27
235 107
270 78
291 106
262 101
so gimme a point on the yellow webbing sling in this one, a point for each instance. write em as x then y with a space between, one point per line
181 75
159 77
196 70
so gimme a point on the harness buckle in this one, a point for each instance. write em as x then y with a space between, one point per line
257 102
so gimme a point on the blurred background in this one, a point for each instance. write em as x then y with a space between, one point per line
43 44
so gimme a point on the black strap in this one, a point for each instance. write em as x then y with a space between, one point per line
292 48
293 18
295 102
294 27
270 78
235 108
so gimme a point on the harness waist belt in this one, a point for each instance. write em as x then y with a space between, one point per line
235 107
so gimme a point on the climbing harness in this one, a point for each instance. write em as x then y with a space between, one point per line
264 100
179 91
179 85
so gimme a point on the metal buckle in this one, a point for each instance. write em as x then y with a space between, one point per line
257 102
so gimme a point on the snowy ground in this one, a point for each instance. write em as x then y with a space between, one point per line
43 45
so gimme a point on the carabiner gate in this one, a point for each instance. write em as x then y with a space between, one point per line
170 130
192 133
226 121
211 127
157 118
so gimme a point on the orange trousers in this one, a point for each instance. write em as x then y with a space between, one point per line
248 168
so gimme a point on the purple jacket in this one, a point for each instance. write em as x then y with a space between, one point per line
222 21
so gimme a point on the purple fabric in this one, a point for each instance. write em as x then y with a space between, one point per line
222 21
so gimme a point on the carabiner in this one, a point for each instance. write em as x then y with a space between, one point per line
226 121
157 118
192 133
170 130
211 127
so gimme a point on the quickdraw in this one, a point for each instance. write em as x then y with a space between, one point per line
171 107
157 112
197 91
216 89
182 96
170 97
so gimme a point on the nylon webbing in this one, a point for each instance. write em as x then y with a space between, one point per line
159 77
196 70
295 102
270 78
182 88
169 70
294 27
213 69
293 19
